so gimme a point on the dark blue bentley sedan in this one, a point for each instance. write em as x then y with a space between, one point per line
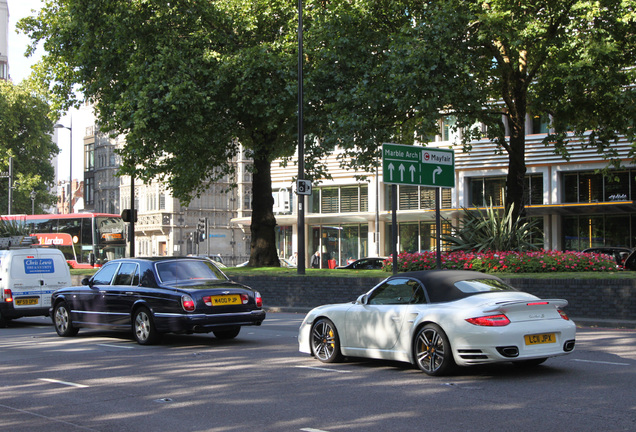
151 296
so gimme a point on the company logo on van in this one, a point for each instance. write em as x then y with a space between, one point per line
39 265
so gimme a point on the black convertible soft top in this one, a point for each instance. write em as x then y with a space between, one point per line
440 284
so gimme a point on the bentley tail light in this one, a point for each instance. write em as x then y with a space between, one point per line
187 303
258 298
490 321
563 315
8 296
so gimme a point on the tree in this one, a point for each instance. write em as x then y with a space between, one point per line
186 82
25 136
489 62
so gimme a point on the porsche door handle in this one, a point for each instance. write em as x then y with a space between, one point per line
396 318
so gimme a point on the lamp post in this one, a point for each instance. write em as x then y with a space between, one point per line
32 202
70 152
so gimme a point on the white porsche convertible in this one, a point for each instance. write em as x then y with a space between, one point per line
438 319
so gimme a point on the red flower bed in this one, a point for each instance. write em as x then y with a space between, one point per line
505 262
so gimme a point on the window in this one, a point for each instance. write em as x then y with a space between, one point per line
591 187
128 274
345 199
105 275
329 200
483 190
540 124
397 291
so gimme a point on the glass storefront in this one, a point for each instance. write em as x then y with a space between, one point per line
414 237
339 245
582 232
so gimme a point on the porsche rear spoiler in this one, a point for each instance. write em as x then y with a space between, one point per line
516 305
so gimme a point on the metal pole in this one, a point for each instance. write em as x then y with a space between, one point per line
131 236
300 264
10 194
438 228
394 228
70 163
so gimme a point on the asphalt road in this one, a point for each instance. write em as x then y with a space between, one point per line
103 382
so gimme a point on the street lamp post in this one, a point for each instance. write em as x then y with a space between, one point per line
70 152
33 194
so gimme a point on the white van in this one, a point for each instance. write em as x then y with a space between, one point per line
28 277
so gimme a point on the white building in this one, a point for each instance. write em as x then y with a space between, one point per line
577 207
4 40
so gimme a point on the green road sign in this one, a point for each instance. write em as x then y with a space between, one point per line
419 166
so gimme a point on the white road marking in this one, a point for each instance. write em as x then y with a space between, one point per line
602 362
66 383
117 346
51 419
322 369
312 430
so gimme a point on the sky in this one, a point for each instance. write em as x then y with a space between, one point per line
20 68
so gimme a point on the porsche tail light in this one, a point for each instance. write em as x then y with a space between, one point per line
563 315
8 296
490 321
187 303
258 298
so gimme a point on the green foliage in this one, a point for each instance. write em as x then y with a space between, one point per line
187 82
25 135
540 261
492 230
13 227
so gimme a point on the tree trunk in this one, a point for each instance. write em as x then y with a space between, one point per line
515 181
263 241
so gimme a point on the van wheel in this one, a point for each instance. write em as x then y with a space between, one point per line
62 321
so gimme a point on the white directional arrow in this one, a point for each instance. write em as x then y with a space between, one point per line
391 168
412 169
436 171
401 168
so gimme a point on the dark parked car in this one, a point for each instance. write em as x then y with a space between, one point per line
151 296
619 254
375 263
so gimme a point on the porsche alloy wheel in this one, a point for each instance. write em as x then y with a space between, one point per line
144 327
325 344
62 320
432 351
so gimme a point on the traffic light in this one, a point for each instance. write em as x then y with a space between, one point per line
128 216
201 229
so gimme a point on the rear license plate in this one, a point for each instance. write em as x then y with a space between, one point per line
537 339
27 301
225 300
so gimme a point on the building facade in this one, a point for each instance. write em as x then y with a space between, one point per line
164 225
576 206
4 40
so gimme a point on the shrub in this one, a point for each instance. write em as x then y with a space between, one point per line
540 261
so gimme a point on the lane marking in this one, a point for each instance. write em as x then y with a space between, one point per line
53 419
322 369
66 383
312 430
602 362
116 346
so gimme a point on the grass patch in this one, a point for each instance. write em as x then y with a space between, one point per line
287 272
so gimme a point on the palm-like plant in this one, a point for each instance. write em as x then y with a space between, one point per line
13 227
493 230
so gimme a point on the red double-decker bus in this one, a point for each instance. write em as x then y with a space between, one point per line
87 239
